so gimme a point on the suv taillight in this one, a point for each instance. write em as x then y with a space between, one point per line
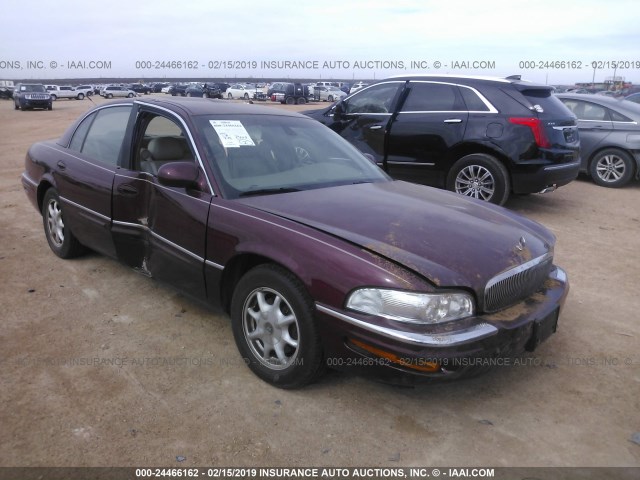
536 127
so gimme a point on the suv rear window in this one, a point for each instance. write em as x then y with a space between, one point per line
549 103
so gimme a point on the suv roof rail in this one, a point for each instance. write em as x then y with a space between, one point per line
514 77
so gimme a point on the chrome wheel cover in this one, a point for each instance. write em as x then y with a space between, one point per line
54 223
475 181
270 328
610 168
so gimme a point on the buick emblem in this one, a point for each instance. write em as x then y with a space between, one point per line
521 244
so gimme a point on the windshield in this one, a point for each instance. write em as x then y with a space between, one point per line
33 88
263 154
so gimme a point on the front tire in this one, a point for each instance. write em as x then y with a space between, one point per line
302 101
480 176
62 242
274 327
109 95
290 101
54 97
611 168
229 96
80 96
130 95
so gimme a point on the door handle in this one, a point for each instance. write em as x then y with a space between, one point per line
375 127
127 189
61 165
453 120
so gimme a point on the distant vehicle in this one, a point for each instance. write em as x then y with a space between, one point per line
634 97
65 91
87 90
166 89
328 94
289 93
609 137
6 89
30 96
158 86
178 89
117 91
204 90
140 88
357 86
239 90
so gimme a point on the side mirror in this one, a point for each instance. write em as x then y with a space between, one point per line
179 174
338 110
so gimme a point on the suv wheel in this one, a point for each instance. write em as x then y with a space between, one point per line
302 101
330 98
246 96
229 96
611 168
16 106
54 97
290 101
109 95
80 96
480 176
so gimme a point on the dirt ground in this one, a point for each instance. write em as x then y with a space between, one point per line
100 366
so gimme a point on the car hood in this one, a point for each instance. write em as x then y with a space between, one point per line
451 240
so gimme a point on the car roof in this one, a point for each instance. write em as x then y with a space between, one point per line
631 109
204 106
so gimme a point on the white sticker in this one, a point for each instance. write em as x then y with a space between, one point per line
232 133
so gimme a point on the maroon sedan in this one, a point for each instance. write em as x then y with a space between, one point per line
318 256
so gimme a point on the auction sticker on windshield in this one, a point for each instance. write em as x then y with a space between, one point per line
232 133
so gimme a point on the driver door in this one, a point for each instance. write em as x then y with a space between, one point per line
160 231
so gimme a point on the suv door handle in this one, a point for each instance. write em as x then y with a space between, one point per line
375 127
61 165
453 120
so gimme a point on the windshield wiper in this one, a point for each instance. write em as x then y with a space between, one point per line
268 191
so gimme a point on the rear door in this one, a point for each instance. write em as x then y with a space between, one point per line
367 117
86 171
429 123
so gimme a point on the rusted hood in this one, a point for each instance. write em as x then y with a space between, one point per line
447 238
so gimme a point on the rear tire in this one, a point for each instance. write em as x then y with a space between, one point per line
302 101
290 101
54 98
62 242
80 96
611 168
480 176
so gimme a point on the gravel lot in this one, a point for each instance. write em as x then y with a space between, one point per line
101 366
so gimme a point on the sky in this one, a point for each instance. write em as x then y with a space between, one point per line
555 42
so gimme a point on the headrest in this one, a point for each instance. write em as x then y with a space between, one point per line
166 148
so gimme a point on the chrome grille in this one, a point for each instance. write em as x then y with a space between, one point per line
517 283
39 96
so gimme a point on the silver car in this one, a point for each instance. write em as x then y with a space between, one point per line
116 91
609 137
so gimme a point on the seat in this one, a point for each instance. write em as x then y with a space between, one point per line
163 150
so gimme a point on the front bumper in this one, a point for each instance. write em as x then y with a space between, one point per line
408 354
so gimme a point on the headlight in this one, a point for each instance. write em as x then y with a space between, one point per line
412 307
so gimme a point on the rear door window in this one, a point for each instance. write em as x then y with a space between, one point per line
433 97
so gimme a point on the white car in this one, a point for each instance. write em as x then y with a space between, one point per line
115 91
328 94
165 89
239 90
87 90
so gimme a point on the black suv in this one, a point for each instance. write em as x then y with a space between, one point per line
205 90
289 93
484 138
140 88
31 95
